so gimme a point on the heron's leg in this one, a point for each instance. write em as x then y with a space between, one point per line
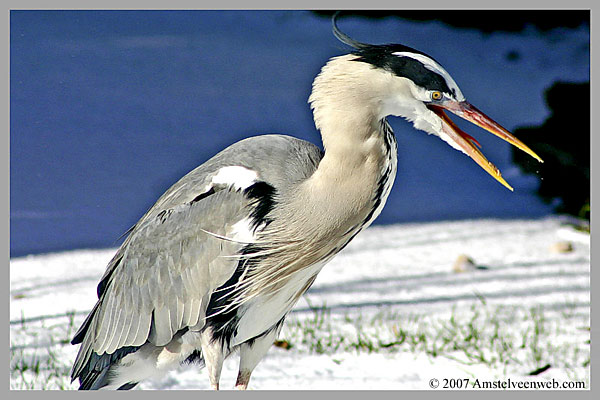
251 353
213 354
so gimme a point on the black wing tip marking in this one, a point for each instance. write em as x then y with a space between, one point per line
97 372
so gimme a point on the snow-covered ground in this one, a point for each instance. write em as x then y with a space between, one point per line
390 312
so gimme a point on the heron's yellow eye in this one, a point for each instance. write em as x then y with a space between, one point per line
436 95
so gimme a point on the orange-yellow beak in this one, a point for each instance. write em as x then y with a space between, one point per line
467 143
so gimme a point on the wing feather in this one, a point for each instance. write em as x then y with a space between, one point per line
118 325
179 316
186 313
166 284
130 330
195 313
104 324
143 331
160 332
132 320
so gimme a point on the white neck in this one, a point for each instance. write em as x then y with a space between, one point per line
348 102
347 191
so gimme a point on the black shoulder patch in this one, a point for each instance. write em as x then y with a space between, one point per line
263 195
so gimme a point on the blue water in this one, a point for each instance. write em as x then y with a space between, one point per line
108 109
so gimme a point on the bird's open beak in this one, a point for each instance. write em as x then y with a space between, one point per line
467 143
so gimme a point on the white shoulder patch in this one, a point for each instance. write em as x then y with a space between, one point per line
235 176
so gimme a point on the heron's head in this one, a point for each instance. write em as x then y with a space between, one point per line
421 91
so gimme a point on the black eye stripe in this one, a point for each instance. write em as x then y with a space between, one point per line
403 66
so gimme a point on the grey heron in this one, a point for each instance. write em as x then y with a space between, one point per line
224 254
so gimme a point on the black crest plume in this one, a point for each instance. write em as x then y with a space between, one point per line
366 48
383 56
342 37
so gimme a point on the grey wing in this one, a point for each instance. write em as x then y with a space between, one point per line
161 279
